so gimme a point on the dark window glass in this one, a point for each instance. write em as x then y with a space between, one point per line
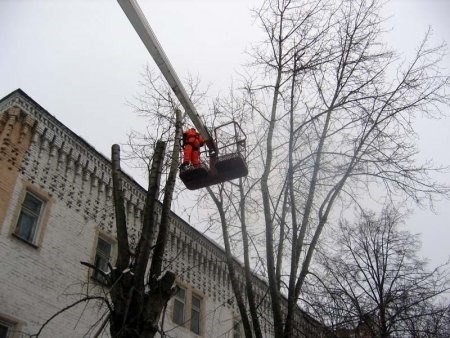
3 331
29 217
32 203
196 303
6 329
195 315
178 306
102 258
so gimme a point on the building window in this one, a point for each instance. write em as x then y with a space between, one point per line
6 329
195 314
178 306
102 258
187 310
29 217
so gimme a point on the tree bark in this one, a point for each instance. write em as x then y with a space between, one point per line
123 254
135 312
231 266
248 273
149 226
158 253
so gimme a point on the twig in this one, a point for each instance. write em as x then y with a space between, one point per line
85 299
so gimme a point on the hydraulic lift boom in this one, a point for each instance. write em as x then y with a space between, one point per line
145 32
231 162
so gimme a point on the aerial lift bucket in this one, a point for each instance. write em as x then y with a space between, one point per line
231 166
228 165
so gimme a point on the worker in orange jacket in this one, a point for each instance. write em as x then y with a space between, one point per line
192 141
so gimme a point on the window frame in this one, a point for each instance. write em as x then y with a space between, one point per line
9 328
183 302
42 220
35 216
198 310
14 326
189 307
100 235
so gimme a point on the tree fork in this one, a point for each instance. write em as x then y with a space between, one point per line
148 226
158 253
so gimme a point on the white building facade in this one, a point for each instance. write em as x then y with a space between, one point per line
56 211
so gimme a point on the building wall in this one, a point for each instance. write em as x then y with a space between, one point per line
16 131
74 180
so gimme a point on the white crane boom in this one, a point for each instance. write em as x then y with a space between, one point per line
145 32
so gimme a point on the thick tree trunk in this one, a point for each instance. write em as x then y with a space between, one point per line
123 254
158 253
136 312
156 300
265 194
230 263
248 274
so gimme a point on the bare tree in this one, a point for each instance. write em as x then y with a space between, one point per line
435 324
138 287
374 283
332 109
138 299
136 290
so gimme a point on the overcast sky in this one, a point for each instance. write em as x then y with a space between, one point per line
81 60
